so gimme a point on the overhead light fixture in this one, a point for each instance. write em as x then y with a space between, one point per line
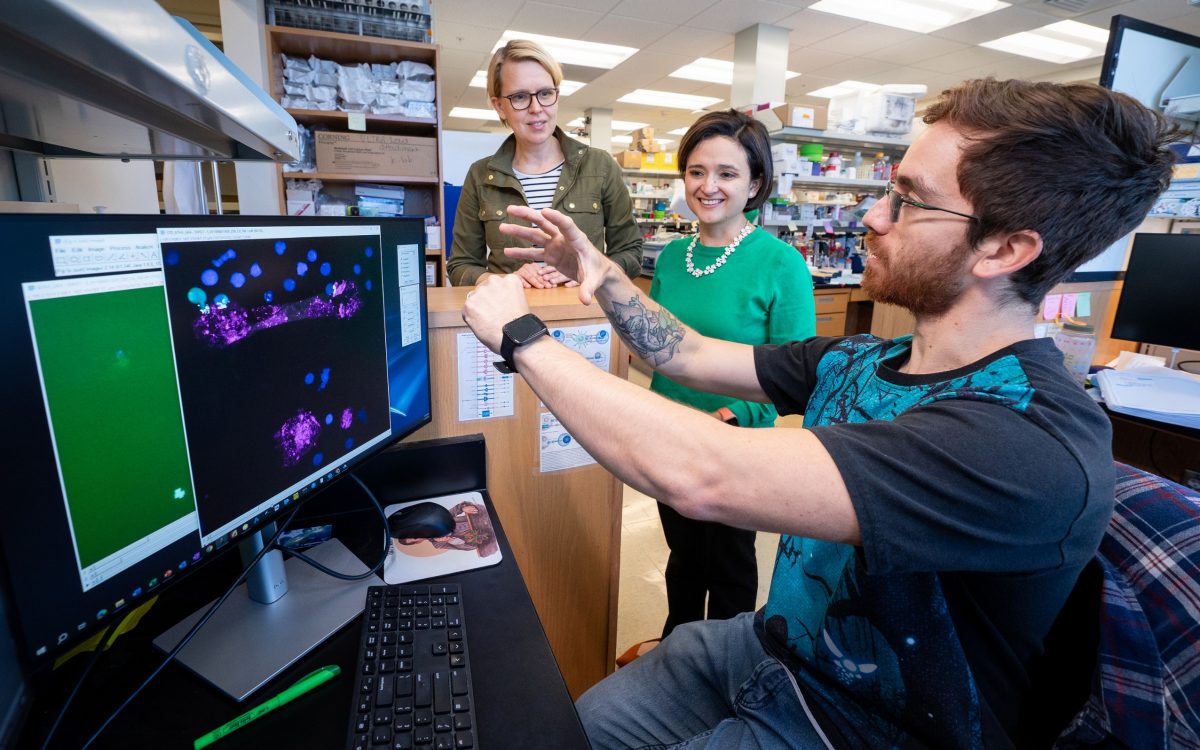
842 89
1062 42
573 51
678 131
713 71
565 87
668 99
617 125
471 113
922 16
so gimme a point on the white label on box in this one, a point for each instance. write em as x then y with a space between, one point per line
356 121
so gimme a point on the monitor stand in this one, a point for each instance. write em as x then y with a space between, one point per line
246 643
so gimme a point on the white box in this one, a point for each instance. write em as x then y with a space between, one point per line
301 208
782 150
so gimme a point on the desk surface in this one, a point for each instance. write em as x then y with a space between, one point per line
520 697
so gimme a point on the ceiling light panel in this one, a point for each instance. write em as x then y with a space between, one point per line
668 99
574 51
617 125
842 89
470 113
1062 42
710 70
922 16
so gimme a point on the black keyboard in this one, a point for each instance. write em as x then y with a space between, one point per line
414 685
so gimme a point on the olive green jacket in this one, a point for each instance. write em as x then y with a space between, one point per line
590 191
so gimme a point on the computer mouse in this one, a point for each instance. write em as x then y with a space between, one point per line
421 521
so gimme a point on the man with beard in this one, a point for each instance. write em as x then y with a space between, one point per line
948 487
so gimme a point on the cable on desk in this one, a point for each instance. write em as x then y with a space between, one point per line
270 545
387 542
101 646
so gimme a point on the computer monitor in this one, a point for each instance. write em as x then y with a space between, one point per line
173 384
1159 67
1159 301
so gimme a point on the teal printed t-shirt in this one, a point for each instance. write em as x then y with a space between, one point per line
981 493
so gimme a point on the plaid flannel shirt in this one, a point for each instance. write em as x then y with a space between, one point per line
1147 691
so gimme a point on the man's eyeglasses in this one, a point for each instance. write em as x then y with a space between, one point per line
522 99
896 201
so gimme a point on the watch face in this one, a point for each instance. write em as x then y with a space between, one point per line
524 328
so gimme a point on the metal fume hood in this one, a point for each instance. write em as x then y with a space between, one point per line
122 78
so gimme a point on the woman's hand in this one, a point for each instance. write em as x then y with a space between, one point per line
563 247
531 275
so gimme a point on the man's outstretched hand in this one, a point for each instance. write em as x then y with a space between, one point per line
563 246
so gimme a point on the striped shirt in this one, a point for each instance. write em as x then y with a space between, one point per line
539 188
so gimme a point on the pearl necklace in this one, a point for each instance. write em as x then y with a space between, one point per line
698 272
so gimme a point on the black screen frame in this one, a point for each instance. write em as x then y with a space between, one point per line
1116 33
1159 303
402 230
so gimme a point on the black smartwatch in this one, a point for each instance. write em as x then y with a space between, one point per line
518 332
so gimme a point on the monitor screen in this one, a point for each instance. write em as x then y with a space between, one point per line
1159 302
177 382
1159 67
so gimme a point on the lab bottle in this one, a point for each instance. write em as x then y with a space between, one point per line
1077 341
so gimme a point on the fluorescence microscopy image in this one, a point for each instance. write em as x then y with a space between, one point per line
292 334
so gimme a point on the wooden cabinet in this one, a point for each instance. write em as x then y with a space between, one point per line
422 193
830 307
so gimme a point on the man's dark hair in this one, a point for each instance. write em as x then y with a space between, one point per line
1077 163
750 133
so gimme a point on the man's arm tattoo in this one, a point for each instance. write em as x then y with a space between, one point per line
652 336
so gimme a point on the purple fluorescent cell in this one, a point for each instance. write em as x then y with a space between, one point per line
357 269
209 277
326 269
280 247
256 270
370 251
297 436
318 459
328 419
349 443
312 256
347 418
301 268
222 326
172 258
268 296
308 379
238 280
289 285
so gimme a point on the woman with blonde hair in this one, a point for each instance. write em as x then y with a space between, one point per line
538 166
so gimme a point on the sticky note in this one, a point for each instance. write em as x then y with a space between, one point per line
1068 305
356 121
791 226
1051 306
1083 304
828 227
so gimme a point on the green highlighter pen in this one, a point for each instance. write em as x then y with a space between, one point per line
302 686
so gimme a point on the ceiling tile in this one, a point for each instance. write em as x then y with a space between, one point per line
628 32
916 50
600 6
734 15
875 35
495 13
461 36
805 61
676 12
554 20
811 26
995 25
686 40
969 57
855 69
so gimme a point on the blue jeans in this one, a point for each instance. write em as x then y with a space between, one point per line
709 684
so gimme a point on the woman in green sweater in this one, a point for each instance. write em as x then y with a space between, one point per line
735 282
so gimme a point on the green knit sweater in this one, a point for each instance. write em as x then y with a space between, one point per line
762 295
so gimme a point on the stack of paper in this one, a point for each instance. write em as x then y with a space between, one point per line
1154 393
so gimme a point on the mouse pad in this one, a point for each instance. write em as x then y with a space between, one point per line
472 543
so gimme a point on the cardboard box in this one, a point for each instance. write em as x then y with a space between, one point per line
376 154
793 116
662 160
301 208
643 134
649 146
630 159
